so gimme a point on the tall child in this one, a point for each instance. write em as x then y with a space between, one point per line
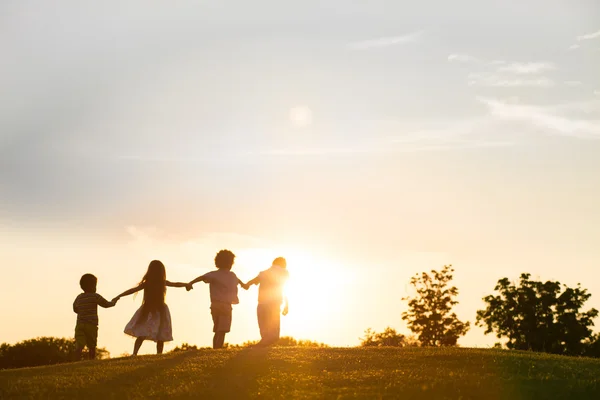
270 296
223 293
152 321
86 307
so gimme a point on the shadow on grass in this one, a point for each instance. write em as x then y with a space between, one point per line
239 377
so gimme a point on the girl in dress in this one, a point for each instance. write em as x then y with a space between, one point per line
152 320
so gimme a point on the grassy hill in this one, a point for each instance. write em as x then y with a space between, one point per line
287 373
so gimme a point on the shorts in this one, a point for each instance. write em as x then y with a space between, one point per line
221 316
269 321
86 335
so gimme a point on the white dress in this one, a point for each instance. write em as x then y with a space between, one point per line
153 328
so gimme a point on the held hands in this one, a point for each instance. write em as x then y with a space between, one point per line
189 287
114 301
245 286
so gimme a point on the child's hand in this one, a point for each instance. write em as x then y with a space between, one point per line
189 287
285 311
115 299
245 286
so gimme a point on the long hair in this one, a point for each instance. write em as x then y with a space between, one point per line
155 289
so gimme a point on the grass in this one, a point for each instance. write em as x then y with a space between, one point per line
297 373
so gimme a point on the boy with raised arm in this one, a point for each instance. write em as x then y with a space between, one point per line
270 296
223 293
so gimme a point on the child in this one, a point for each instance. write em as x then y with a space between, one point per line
152 320
223 293
86 307
270 297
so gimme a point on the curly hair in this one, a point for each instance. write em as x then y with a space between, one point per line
224 259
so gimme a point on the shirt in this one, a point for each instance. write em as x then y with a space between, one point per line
86 307
223 285
271 283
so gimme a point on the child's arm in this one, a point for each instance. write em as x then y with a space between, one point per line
102 302
285 307
242 284
75 306
130 291
179 284
254 281
199 279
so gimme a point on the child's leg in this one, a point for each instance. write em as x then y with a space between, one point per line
159 347
78 351
218 340
92 353
137 345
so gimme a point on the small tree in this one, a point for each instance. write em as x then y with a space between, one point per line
389 337
429 313
538 316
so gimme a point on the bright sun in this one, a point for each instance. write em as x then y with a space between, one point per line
317 290
301 116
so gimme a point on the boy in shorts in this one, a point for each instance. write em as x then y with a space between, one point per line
86 307
223 293
270 297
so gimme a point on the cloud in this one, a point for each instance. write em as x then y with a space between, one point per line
574 47
463 58
500 73
497 80
589 36
543 117
385 41
572 83
527 68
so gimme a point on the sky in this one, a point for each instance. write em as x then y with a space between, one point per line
365 142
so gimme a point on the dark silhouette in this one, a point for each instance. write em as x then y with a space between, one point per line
86 307
270 297
152 321
539 316
429 313
389 337
42 351
223 285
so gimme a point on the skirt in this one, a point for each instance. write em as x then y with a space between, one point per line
157 326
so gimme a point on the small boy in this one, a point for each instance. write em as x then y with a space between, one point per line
86 307
270 297
223 293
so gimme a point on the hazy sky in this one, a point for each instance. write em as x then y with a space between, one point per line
366 142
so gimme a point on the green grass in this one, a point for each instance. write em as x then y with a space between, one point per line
289 373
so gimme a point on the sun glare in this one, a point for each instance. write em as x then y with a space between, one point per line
317 290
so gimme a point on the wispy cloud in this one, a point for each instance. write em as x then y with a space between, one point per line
572 83
527 68
385 41
463 58
543 117
497 80
574 47
589 36
500 73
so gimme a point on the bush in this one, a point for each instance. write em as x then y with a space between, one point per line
41 351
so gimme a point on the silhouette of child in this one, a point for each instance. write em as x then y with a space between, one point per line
270 296
152 321
86 306
223 293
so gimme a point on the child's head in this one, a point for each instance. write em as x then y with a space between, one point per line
280 262
88 283
155 286
224 259
156 272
